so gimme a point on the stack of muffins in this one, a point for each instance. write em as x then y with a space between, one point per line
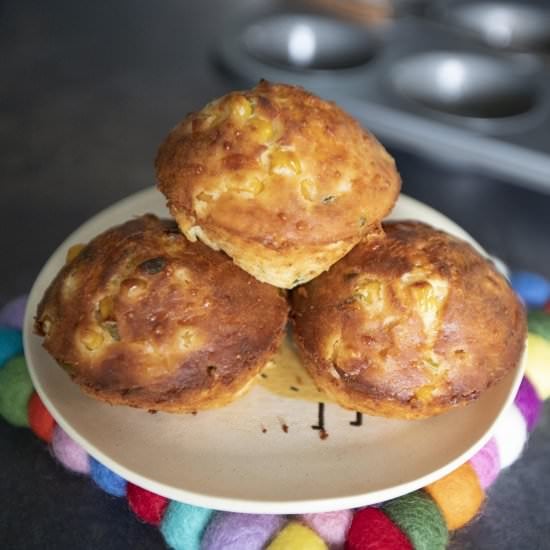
278 199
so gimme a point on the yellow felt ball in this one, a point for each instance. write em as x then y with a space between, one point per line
538 364
296 536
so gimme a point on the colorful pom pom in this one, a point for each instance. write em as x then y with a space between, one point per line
538 359
330 526
147 506
510 435
528 402
486 463
372 529
40 419
459 496
10 344
538 322
420 519
69 452
15 391
183 525
533 289
107 479
13 313
295 536
232 531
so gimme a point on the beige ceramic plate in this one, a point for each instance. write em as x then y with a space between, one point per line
222 459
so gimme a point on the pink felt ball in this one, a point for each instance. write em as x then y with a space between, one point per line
486 463
69 452
331 526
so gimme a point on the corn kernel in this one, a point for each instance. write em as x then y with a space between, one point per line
308 189
425 393
205 197
424 296
73 252
186 338
263 129
106 306
253 185
46 325
370 292
432 364
92 339
240 108
284 163
133 287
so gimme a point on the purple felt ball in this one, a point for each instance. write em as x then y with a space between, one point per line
232 531
486 463
331 526
69 452
12 314
529 403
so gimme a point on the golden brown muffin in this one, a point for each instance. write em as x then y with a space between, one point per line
143 317
408 324
281 180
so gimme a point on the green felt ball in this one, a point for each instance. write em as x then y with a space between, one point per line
417 515
538 322
15 391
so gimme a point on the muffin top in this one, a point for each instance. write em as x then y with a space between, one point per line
416 316
278 166
142 308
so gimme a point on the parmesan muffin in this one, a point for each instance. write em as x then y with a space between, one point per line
408 324
282 181
143 317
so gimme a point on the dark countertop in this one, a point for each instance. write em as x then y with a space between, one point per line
88 92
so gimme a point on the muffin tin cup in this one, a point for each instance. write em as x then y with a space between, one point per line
307 49
520 26
480 91
415 82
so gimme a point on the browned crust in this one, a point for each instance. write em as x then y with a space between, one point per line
207 162
193 328
400 355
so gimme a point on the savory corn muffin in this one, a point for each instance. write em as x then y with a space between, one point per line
143 317
282 181
408 324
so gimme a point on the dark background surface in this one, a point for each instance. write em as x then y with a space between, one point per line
88 90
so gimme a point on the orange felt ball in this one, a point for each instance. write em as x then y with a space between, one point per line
459 496
40 420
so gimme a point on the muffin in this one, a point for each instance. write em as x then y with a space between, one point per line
143 317
408 324
282 181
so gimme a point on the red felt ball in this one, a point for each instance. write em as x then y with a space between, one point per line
372 529
148 507
40 419
547 307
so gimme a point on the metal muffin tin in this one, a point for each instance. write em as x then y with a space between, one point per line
459 84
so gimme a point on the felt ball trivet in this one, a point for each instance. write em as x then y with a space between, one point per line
419 520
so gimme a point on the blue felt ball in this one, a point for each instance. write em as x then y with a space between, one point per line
107 479
183 525
11 344
533 289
